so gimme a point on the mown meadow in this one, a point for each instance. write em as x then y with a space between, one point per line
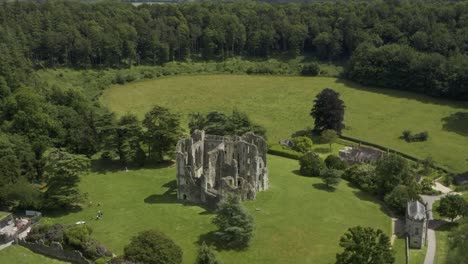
297 219
282 104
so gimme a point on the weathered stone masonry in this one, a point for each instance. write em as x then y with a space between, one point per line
209 167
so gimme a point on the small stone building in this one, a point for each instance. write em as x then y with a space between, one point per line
416 224
210 166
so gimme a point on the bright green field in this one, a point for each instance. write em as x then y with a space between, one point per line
22 255
297 221
282 104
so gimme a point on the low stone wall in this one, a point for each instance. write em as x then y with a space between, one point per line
56 251
386 149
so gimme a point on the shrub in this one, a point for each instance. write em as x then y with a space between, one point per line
407 135
426 187
153 247
310 69
418 137
331 177
119 78
334 162
282 152
311 164
76 237
207 255
302 144
363 176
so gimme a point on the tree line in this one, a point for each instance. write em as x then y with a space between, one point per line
410 45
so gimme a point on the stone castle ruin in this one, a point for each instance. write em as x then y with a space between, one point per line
210 167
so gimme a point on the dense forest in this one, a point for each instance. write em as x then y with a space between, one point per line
417 46
411 45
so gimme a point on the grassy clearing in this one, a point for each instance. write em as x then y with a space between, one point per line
282 104
297 221
22 255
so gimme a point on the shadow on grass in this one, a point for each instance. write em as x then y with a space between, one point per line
322 150
212 239
105 166
402 94
323 187
445 226
363 196
298 173
170 197
61 212
457 123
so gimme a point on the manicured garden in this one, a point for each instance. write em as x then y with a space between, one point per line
282 104
297 220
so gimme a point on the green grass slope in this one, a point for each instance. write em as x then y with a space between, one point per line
22 255
296 220
282 104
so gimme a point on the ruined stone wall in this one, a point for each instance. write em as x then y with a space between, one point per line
210 166
56 252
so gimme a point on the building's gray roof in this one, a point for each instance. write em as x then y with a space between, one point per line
416 210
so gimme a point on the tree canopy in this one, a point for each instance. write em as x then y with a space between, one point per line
153 247
219 123
163 130
311 164
63 170
235 224
452 206
328 112
364 245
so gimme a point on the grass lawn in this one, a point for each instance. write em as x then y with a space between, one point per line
442 249
399 247
297 221
417 255
282 104
22 255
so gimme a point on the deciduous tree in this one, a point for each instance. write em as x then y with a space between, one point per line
331 177
452 206
153 247
364 245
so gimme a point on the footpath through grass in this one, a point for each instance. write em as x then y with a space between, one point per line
297 221
282 104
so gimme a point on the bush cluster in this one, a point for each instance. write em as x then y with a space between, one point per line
282 152
302 144
72 237
311 164
418 137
